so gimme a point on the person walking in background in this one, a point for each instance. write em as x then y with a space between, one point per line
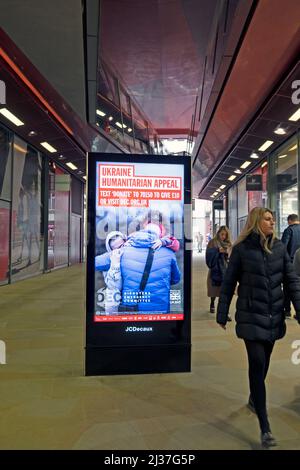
217 254
291 239
260 264
200 242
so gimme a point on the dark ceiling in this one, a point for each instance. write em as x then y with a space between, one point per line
275 113
158 49
46 115
263 62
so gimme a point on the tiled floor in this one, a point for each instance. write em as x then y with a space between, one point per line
47 403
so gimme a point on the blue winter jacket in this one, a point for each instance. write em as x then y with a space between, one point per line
164 272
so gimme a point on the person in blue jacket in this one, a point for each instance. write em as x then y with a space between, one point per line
163 273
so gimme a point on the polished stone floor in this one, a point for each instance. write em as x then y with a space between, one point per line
47 403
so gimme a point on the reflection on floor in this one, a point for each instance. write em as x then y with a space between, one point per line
47 403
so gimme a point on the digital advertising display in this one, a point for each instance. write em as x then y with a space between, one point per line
138 286
139 232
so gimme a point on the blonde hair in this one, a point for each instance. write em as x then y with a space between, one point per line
254 219
225 229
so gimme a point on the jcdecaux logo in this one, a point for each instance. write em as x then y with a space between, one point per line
136 329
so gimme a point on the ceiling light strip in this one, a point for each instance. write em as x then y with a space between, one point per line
72 166
296 116
11 117
266 145
48 147
245 164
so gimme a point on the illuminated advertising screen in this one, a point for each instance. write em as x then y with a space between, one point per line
139 233
138 264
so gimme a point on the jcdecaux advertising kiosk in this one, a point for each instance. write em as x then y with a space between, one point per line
138 291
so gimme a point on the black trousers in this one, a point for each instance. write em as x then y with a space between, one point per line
259 354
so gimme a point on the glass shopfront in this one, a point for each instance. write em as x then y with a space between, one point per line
242 204
5 203
285 183
58 222
232 211
27 248
259 198
280 189
23 214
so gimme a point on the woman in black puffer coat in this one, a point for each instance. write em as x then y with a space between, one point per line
261 266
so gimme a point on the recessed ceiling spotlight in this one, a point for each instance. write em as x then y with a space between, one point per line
61 157
110 118
254 155
280 131
237 171
80 172
32 133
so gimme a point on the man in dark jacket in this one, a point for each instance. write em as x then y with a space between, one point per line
291 239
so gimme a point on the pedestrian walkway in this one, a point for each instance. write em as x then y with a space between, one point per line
47 403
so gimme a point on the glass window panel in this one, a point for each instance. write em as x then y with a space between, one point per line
232 211
58 225
285 184
4 241
242 199
26 211
5 164
259 198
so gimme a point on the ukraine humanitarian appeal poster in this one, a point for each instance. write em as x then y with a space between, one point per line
139 242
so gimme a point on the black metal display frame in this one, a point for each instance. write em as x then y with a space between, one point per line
167 348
